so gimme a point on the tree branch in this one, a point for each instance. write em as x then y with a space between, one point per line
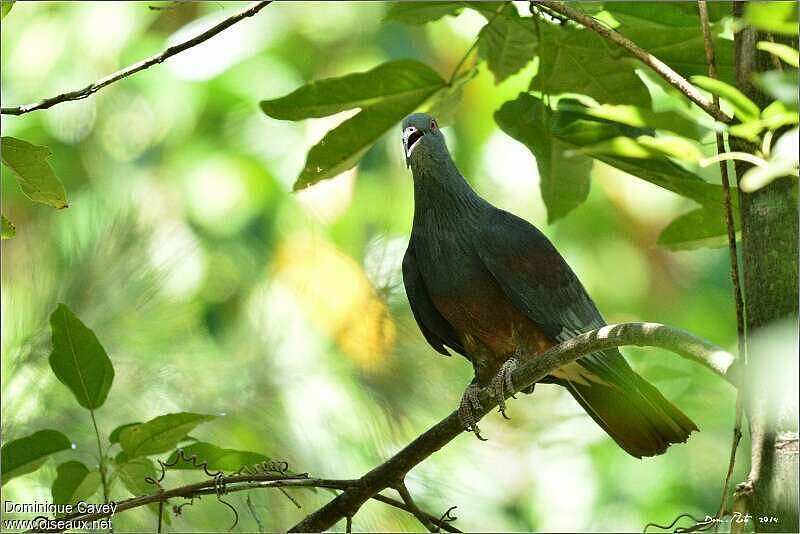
92 88
661 68
346 504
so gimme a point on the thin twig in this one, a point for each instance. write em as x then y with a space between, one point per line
734 259
718 360
661 68
92 88
402 489
474 44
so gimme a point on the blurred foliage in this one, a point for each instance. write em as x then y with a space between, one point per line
215 290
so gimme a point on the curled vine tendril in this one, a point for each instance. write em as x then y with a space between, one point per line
699 525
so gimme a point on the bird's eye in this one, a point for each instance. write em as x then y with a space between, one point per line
433 125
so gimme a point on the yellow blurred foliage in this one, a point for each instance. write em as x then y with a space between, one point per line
337 296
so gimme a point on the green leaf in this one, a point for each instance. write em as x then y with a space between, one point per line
744 108
508 42
160 434
34 174
79 360
421 12
5 7
564 182
781 85
645 146
785 52
74 482
671 31
385 95
776 17
9 230
27 454
701 227
393 83
114 436
637 117
133 473
578 61
219 459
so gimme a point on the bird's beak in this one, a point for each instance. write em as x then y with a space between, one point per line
411 136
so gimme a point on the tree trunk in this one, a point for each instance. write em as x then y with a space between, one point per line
770 272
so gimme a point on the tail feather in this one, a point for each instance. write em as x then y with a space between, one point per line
632 411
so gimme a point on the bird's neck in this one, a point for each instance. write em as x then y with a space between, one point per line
441 192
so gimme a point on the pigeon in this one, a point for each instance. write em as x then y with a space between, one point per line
490 286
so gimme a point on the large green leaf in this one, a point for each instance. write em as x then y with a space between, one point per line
671 31
218 459
564 182
776 17
8 228
78 359
74 482
385 95
701 227
392 83
422 12
508 42
578 61
34 174
160 434
27 454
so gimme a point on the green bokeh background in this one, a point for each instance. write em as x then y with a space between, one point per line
211 285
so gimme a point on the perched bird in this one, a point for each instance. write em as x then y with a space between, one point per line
490 286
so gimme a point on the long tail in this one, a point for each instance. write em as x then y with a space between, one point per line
625 405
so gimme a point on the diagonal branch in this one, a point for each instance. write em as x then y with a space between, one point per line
346 504
92 88
661 68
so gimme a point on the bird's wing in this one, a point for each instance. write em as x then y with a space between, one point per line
434 327
535 277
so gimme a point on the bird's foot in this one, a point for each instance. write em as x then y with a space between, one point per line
502 386
469 406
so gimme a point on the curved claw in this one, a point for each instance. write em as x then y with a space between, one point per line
502 385
470 405
477 433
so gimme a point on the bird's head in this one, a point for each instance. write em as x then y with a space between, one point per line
422 138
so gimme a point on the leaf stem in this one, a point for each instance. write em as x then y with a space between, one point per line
474 44
101 456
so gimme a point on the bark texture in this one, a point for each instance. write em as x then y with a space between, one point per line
770 269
